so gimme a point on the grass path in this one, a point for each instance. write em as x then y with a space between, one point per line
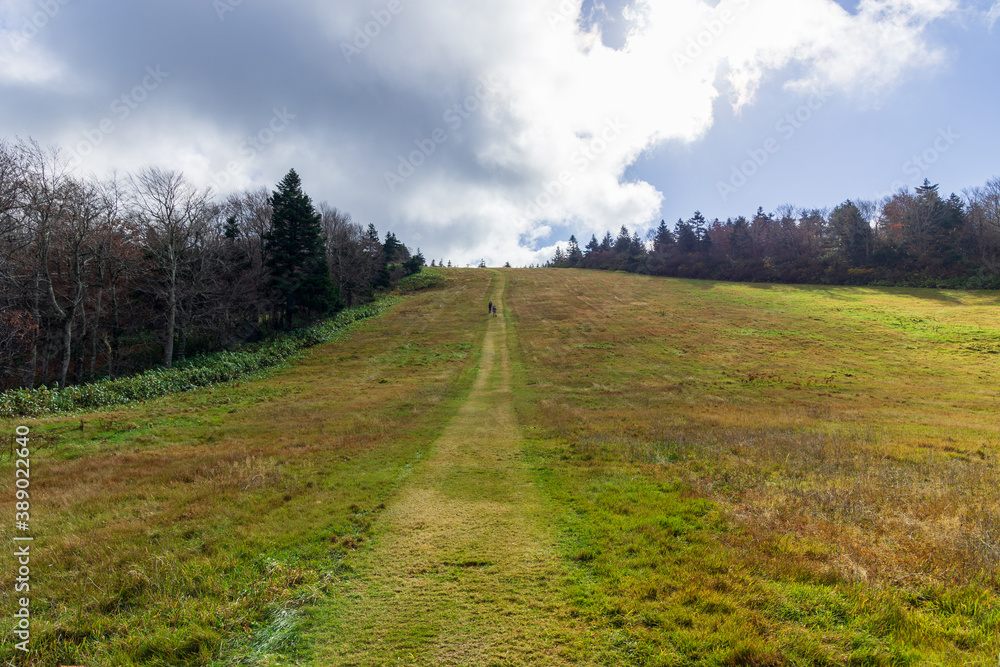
463 569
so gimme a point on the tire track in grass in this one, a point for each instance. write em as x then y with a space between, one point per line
464 569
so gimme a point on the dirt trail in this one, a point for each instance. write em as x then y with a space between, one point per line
463 569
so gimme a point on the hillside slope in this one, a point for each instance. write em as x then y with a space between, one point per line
617 470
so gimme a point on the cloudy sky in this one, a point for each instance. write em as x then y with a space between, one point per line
493 129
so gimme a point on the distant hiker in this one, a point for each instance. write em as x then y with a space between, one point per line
494 310
489 308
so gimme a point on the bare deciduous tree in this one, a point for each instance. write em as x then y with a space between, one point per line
172 215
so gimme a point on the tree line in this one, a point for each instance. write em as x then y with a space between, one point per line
912 238
103 278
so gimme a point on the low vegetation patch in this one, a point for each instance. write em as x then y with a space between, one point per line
425 279
197 372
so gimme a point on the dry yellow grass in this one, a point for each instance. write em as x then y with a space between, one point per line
619 470
464 569
192 529
847 438
869 410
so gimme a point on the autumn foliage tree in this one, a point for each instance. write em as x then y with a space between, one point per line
909 238
106 277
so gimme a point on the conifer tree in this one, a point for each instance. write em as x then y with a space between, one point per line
687 239
414 264
636 247
740 242
663 239
700 227
573 253
392 248
854 232
296 253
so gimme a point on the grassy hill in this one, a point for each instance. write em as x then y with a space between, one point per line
764 474
617 470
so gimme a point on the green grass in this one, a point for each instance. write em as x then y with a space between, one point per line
464 567
428 278
689 473
768 475
193 529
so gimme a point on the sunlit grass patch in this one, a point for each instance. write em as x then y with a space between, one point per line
844 440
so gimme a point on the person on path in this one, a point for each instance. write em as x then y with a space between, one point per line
489 308
494 310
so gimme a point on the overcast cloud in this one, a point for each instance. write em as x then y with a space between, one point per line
469 129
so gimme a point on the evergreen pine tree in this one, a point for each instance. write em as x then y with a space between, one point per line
948 240
414 264
687 239
231 230
740 243
664 239
607 243
624 241
391 248
700 227
637 247
573 253
296 253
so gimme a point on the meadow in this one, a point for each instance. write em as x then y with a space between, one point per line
193 529
667 472
767 474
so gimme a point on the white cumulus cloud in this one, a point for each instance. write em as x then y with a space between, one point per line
392 120
552 144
